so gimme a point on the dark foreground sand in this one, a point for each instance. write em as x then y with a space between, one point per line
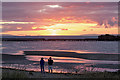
13 73
90 56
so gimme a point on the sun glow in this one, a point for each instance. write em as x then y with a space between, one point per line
64 29
53 32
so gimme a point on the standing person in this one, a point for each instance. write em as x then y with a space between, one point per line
50 63
42 64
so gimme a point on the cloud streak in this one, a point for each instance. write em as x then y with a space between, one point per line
12 22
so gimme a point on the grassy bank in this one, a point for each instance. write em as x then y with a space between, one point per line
13 73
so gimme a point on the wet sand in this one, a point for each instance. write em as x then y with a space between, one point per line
89 56
21 59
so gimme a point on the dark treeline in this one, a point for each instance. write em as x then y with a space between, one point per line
106 37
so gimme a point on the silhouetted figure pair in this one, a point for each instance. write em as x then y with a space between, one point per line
50 63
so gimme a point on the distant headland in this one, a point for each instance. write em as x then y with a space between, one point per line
106 37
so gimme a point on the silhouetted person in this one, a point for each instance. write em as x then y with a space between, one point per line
42 64
50 63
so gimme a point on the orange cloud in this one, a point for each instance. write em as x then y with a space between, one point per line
38 28
34 27
64 29
13 22
84 30
19 27
69 19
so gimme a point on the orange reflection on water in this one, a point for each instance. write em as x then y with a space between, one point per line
70 60
57 59
76 51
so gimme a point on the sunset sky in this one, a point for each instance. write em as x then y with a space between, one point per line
59 18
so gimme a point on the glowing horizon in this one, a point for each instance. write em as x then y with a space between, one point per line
59 18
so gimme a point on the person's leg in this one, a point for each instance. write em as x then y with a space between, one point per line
41 68
49 68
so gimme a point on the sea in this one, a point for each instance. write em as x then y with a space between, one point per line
14 57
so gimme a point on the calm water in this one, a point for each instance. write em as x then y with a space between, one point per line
88 46
61 64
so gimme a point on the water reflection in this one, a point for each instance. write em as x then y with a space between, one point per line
70 60
62 64
18 53
76 51
99 47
